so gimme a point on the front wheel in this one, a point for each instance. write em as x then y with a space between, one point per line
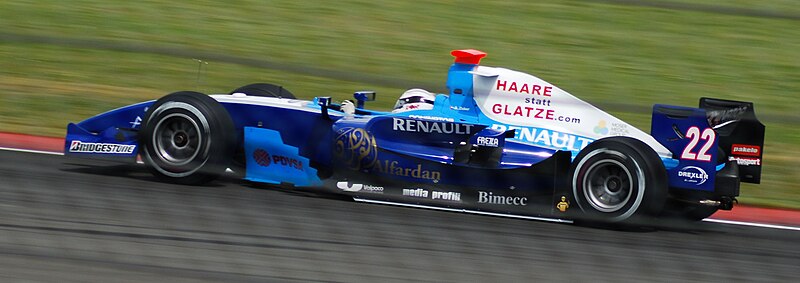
264 90
618 179
187 138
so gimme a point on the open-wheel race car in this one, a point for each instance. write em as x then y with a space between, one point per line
501 142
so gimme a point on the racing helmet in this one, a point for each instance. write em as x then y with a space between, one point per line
414 99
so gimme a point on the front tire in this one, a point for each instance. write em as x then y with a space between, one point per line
264 90
618 179
187 138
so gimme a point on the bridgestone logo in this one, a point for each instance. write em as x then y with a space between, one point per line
88 147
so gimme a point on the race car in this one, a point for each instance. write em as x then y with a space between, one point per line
500 142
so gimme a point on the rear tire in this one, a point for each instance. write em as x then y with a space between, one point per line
265 90
187 138
618 179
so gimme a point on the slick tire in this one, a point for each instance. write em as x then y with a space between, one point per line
618 180
188 138
264 90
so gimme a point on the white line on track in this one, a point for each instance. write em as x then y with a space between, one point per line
761 225
720 221
31 151
462 210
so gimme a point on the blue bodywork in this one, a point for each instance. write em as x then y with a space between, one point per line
690 173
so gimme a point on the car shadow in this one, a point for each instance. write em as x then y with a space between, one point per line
652 224
140 173
295 191
128 171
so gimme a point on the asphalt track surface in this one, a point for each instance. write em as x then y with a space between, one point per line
73 220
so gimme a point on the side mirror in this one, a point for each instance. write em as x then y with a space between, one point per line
364 96
324 103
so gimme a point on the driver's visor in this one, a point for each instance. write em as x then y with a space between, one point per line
413 99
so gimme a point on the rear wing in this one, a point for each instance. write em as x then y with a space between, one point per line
741 134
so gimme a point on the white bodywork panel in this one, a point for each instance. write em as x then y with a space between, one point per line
515 98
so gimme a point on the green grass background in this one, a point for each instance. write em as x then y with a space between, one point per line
64 61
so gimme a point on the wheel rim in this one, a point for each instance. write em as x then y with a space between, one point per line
608 185
177 139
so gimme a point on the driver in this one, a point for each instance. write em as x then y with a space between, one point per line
414 99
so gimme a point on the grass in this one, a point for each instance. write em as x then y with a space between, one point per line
604 53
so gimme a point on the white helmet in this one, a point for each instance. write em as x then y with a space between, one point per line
414 99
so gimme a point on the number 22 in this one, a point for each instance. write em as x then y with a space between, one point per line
693 133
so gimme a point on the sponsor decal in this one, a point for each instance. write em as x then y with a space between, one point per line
693 174
432 118
394 168
110 148
562 205
488 141
356 148
547 138
601 128
449 196
430 127
491 198
287 161
537 101
619 129
522 87
745 161
531 112
347 187
434 195
746 149
419 193
136 122
263 158
616 129
459 108
523 111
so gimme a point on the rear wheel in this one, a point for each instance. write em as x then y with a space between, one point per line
187 138
264 90
618 179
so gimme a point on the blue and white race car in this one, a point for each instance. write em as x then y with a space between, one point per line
501 142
